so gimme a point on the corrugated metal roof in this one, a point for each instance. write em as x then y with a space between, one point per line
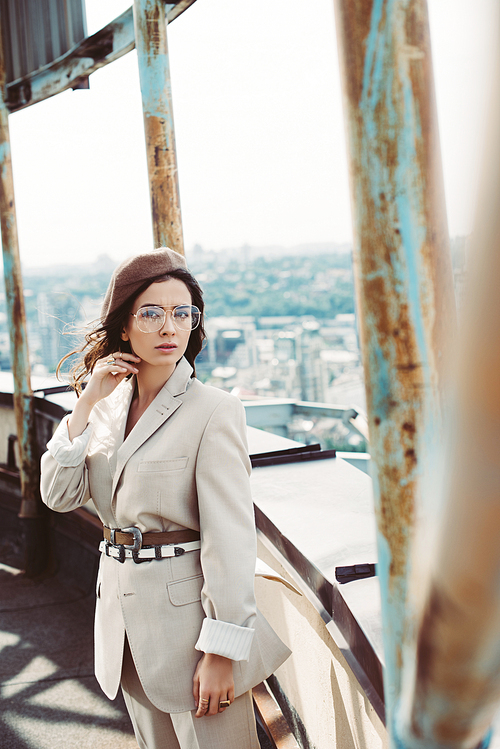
37 32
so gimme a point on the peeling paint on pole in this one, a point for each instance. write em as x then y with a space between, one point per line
23 396
454 692
403 274
154 71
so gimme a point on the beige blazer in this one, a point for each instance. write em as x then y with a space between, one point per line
184 465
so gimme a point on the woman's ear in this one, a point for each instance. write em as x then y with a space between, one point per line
124 335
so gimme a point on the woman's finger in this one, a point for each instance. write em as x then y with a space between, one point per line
203 706
213 707
124 356
120 359
224 703
115 364
196 686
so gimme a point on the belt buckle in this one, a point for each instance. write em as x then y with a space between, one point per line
136 546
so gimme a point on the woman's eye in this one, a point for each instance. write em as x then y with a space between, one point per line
150 314
181 314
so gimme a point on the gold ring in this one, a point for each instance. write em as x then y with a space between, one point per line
111 361
202 699
224 703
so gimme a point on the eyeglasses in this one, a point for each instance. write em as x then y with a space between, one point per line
151 319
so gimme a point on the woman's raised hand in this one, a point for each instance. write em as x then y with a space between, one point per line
107 374
212 684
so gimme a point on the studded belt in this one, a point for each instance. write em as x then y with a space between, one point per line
155 552
125 543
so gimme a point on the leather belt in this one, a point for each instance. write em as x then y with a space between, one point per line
133 537
153 552
123 543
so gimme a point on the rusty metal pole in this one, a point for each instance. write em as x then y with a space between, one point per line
150 26
403 275
36 541
456 687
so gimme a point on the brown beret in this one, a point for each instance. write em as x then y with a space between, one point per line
131 274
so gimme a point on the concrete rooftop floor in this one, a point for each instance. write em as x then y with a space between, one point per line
49 696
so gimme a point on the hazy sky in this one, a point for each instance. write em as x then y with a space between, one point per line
259 128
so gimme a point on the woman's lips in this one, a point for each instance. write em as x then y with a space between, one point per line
166 347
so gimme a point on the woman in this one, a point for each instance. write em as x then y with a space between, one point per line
165 461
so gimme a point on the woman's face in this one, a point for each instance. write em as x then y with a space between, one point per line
165 347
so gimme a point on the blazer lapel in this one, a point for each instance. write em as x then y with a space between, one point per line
118 421
163 406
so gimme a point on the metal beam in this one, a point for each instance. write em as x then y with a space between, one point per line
403 275
455 691
154 72
94 52
31 506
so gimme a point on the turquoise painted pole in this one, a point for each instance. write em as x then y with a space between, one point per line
150 26
454 694
403 276
31 507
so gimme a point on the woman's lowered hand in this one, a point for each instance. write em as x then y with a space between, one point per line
212 684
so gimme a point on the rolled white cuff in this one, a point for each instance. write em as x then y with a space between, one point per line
69 454
223 638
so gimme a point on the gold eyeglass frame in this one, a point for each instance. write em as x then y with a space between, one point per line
165 310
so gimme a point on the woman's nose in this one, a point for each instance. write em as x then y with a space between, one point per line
168 325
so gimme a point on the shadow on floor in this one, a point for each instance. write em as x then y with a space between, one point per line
49 696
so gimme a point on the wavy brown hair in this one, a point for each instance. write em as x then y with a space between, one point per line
105 338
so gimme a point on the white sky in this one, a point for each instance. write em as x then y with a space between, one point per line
259 128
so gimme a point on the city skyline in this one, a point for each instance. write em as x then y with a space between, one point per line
281 326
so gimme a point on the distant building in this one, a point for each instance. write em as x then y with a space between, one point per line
48 335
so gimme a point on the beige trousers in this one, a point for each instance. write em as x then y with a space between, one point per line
154 729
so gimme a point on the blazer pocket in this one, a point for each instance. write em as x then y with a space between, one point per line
185 591
174 464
